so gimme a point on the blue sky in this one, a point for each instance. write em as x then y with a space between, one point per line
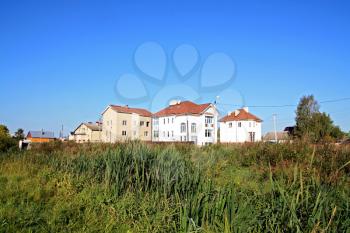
60 60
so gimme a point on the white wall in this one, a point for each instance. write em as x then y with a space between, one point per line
239 134
169 128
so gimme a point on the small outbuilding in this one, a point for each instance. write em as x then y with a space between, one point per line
40 136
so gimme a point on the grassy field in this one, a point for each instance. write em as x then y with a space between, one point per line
135 187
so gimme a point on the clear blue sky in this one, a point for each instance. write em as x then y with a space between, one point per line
59 60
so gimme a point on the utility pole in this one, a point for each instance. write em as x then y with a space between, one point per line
274 126
61 133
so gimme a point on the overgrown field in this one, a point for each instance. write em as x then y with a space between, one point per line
135 187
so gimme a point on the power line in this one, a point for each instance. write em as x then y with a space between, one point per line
285 105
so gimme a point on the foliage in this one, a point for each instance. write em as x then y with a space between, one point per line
19 134
6 142
134 187
313 125
4 131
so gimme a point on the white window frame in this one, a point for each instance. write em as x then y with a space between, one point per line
193 128
183 127
208 133
209 119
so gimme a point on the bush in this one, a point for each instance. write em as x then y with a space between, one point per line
7 143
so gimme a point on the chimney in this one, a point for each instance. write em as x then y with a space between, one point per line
236 112
246 109
172 102
229 113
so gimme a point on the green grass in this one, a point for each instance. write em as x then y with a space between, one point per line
134 187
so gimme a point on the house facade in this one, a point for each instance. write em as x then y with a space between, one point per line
87 132
186 122
121 123
240 126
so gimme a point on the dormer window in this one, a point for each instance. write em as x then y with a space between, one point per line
208 119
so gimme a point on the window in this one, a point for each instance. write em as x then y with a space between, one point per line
168 134
172 120
183 128
193 128
124 133
252 136
208 119
163 133
172 133
230 125
156 121
156 134
134 133
164 121
145 133
147 124
142 123
168 120
239 124
124 122
250 124
208 133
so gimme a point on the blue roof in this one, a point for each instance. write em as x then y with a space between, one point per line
41 134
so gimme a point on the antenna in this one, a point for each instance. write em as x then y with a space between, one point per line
61 132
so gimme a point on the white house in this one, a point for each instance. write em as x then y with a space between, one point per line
240 126
186 122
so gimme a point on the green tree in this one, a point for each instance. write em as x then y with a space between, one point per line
4 131
307 107
6 141
19 134
337 133
313 125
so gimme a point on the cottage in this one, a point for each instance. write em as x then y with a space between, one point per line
121 123
186 122
240 126
40 136
87 132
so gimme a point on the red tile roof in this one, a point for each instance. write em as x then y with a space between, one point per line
183 108
126 109
243 115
